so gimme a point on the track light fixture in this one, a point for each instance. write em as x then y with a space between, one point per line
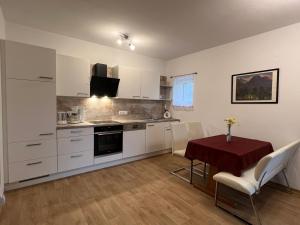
125 38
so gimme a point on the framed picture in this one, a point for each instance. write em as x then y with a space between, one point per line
259 87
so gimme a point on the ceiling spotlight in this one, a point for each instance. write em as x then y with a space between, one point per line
125 38
119 41
132 46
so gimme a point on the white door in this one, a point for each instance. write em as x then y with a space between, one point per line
134 143
31 110
29 62
130 83
72 76
154 137
150 85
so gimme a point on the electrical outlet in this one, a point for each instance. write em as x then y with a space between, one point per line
122 113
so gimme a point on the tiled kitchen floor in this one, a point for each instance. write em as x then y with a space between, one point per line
142 192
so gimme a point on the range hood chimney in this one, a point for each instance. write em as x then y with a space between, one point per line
101 85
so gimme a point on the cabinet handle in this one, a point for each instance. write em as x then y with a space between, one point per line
82 94
47 78
145 97
150 125
73 140
34 163
168 129
135 96
75 156
46 134
76 131
31 145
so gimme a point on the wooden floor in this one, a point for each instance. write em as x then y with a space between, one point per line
137 193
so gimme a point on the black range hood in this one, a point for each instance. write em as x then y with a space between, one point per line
101 85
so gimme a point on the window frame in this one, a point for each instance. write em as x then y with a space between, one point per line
184 108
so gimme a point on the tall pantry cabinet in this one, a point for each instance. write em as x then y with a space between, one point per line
30 116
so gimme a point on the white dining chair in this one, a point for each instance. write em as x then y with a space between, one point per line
195 131
180 138
253 179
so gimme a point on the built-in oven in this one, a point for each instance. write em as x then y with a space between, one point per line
108 140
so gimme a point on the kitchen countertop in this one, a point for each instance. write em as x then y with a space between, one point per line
121 122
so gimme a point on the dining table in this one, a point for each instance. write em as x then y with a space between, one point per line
233 157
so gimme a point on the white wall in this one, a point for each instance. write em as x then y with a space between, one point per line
278 123
83 49
2 36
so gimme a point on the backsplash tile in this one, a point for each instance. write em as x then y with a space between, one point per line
108 108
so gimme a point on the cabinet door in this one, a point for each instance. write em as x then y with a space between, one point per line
134 143
150 85
130 83
29 62
74 71
31 110
168 138
154 137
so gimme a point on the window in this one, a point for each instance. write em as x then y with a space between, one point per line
183 92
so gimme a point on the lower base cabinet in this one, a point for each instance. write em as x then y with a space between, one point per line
134 143
158 136
75 160
25 170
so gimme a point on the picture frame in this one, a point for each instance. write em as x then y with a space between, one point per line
258 87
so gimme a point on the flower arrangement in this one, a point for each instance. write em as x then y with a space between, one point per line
230 121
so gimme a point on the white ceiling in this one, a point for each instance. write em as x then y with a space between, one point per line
160 28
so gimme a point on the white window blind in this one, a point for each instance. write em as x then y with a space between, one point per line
183 92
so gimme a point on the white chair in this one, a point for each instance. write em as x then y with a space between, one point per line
180 138
253 179
195 131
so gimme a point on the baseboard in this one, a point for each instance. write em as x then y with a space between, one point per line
61 175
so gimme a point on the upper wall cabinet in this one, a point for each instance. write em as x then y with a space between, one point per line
138 84
29 62
72 76
150 85
130 83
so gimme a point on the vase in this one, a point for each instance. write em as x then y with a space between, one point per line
228 136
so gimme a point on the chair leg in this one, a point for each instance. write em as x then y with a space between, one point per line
216 194
286 180
254 209
191 173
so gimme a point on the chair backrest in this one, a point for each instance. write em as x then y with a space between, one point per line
275 162
179 136
195 130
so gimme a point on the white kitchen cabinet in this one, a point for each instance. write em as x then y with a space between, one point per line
130 83
72 76
75 144
22 151
31 110
75 160
23 61
134 143
168 137
74 132
150 85
138 83
19 171
154 137
75 148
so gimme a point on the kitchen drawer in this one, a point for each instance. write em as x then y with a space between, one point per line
32 168
22 151
75 144
75 160
74 132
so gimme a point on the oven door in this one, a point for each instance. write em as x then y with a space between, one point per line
109 142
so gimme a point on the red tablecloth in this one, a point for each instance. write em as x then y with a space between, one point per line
233 157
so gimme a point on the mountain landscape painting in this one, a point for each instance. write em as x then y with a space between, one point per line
255 87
